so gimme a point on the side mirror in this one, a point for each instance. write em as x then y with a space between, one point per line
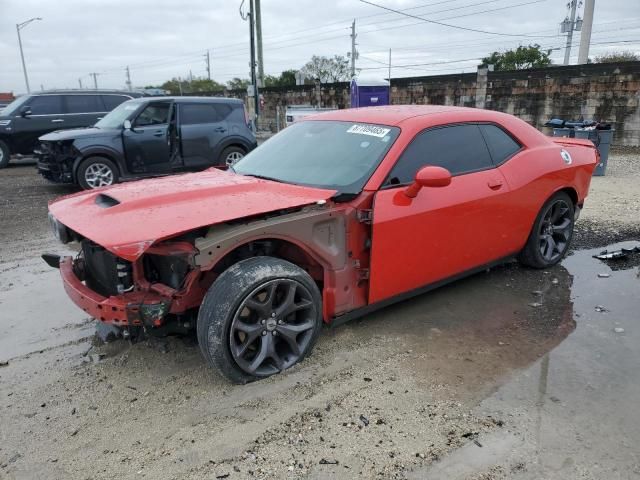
428 176
25 111
127 125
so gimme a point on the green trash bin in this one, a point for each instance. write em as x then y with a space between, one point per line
602 141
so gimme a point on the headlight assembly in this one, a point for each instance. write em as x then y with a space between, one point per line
59 230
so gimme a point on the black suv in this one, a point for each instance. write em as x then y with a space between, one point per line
149 137
30 116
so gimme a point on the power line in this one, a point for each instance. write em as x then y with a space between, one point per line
447 24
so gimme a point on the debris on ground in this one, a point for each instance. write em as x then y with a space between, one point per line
618 330
4 363
600 308
324 461
616 254
604 275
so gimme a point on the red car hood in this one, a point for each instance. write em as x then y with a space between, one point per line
127 219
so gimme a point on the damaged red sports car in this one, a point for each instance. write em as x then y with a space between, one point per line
335 216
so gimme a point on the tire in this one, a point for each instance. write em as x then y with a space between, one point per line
551 235
248 330
231 155
96 172
5 154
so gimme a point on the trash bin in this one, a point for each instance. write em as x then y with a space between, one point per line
600 138
602 141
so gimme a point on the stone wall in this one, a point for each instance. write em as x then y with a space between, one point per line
606 92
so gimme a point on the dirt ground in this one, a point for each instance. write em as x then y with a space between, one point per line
512 373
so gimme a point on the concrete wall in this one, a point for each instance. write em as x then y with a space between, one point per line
606 92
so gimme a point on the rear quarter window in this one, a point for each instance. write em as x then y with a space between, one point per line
501 145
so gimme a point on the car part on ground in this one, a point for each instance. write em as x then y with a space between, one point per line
333 218
150 137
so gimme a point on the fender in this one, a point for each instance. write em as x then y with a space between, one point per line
99 151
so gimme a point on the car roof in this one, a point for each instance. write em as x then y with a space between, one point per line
77 91
395 115
194 99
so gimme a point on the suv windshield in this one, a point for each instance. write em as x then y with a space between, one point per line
12 108
116 117
326 154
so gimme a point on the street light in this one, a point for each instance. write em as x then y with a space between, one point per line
20 26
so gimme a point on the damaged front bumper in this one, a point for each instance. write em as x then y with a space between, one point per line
135 308
56 166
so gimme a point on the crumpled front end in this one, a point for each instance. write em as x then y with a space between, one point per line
55 160
142 293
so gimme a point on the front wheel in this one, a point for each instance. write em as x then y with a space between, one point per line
97 172
260 317
551 235
5 154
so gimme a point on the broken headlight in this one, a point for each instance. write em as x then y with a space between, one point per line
60 231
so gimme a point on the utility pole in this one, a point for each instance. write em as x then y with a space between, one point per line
95 79
20 26
568 26
389 68
585 36
80 83
353 48
128 78
259 42
208 65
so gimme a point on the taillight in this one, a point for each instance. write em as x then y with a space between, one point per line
246 116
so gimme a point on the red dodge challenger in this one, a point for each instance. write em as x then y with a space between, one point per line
337 215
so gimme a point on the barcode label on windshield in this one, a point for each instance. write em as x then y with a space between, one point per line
371 130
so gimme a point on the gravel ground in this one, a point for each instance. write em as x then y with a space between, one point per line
413 391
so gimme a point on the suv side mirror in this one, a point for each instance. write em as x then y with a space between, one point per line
429 176
25 111
127 125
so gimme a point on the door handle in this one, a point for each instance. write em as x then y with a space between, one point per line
158 134
57 120
494 184
220 129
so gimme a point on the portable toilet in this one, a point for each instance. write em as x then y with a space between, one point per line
369 93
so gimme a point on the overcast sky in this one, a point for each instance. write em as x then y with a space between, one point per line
162 39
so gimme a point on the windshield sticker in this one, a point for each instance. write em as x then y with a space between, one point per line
371 130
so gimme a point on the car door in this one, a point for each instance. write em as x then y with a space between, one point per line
82 110
46 115
146 144
443 231
203 126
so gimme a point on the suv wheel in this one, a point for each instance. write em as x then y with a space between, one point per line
260 317
5 154
97 172
231 155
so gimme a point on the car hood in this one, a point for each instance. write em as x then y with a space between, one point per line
127 219
75 134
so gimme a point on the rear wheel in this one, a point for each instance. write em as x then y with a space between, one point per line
260 317
97 172
551 235
5 154
231 155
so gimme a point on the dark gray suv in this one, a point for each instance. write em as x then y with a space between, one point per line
149 137
30 116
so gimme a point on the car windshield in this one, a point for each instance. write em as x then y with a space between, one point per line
325 154
12 108
116 117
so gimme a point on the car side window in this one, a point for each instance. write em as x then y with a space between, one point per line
83 104
45 105
198 113
458 148
112 101
153 114
500 143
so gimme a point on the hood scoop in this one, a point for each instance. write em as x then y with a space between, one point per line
105 201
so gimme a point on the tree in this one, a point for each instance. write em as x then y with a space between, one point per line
286 79
238 83
521 58
328 70
197 85
616 57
